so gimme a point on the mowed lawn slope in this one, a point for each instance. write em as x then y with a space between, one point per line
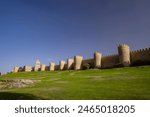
118 83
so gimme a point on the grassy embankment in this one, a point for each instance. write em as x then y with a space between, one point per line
118 83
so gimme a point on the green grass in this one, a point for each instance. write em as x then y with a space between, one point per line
113 84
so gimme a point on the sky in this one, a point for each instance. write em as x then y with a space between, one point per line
54 30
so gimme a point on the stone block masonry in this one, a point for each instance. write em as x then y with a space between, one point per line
15 69
97 59
124 58
62 65
140 55
124 55
27 68
43 66
78 62
52 66
37 65
70 64
110 61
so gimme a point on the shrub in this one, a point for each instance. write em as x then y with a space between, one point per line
118 65
86 66
140 62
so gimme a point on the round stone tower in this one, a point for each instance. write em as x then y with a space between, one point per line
15 69
52 66
97 59
69 64
62 65
43 66
124 54
78 62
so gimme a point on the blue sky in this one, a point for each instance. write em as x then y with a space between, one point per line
53 30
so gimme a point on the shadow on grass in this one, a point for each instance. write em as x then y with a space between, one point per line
18 96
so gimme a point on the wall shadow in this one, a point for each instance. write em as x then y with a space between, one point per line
18 96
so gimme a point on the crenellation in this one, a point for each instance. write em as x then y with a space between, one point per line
123 45
135 51
140 55
113 55
140 50
124 58
146 49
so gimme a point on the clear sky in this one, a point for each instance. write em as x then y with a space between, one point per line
53 30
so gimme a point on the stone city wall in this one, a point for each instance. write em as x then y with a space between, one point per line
110 61
89 62
56 67
124 58
27 68
140 55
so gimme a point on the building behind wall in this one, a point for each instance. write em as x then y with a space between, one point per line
37 65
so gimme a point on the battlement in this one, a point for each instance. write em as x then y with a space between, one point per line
124 58
109 56
140 50
123 45
141 55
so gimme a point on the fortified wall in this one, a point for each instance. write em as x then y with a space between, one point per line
140 55
124 58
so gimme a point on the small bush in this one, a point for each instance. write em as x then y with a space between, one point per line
140 62
118 65
86 66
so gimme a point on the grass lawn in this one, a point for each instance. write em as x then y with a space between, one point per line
110 84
